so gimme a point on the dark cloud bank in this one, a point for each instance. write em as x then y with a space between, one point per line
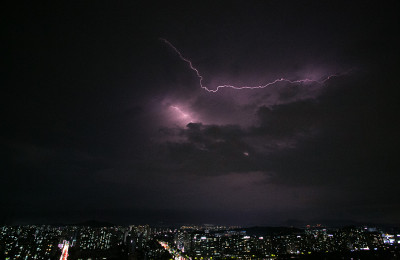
87 131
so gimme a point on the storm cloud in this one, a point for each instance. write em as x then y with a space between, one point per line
103 120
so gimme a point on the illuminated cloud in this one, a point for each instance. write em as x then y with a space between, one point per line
112 120
182 116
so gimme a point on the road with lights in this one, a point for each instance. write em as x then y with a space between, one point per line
175 253
64 254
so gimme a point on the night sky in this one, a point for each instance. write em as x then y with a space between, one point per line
102 119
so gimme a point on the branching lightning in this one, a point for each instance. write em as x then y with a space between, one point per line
189 62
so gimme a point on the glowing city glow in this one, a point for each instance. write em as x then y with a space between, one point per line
189 62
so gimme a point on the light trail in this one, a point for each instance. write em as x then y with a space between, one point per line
175 253
64 254
189 62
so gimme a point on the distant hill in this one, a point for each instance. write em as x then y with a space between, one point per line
269 231
94 223
333 223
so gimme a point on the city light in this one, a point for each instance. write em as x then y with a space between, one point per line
192 242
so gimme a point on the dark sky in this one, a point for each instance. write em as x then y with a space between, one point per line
103 120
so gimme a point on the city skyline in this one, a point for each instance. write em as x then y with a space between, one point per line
196 242
249 113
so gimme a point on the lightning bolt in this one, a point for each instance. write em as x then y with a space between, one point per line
180 111
189 62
